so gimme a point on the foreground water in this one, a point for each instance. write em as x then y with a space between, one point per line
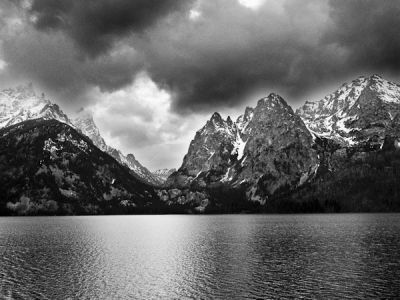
229 256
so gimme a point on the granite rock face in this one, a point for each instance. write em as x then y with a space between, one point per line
358 113
267 148
271 154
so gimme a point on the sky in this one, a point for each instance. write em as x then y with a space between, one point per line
152 72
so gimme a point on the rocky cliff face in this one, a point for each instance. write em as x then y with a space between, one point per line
358 113
48 167
85 123
277 152
209 156
315 159
267 148
357 137
341 153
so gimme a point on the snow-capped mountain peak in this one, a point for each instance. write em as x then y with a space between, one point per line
241 153
345 114
21 103
243 120
386 90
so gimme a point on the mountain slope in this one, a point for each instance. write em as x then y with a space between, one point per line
210 150
85 123
21 103
337 154
163 174
266 149
48 167
357 113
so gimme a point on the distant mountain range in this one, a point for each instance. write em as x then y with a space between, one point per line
21 104
324 156
340 153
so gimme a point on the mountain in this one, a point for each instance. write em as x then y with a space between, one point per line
341 153
356 133
266 149
338 154
85 123
21 103
163 174
358 113
49 167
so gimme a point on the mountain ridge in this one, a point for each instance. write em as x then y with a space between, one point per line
271 151
21 103
339 153
47 166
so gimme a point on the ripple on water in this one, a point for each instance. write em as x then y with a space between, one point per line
352 256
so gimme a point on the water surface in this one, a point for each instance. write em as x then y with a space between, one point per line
222 256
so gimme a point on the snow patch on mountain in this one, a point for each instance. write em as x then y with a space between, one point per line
239 146
338 116
21 103
386 90
163 174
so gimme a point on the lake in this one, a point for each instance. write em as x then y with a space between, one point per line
217 256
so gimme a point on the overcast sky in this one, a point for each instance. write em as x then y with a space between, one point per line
153 71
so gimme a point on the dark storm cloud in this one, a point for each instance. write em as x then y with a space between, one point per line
369 30
291 47
230 50
52 62
212 61
96 24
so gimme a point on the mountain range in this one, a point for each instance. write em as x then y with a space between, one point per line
340 153
324 156
21 104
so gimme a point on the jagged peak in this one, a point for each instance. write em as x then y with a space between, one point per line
216 121
274 96
243 120
216 117
271 100
376 77
130 156
249 110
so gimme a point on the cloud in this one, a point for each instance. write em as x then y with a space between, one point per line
253 4
3 65
207 55
140 117
95 26
52 62
199 56
368 30
232 50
